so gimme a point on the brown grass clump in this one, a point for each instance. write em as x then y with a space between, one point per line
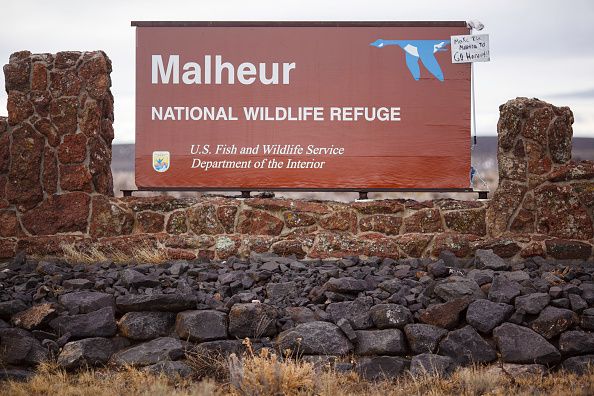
266 373
73 254
145 253
208 364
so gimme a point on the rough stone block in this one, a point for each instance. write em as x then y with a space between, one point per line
73 149
59 213
150 222
319 338
146 325
424 221
560 213
201 326
519 344
339 221
252 320
380 342
75 178
385 224
86 352
109 219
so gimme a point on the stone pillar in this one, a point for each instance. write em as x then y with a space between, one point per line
55 145
541 191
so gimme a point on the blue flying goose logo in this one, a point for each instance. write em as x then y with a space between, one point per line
418 49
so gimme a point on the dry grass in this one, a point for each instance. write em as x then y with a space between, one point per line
74 254
268 374
52 381
144 253
211 365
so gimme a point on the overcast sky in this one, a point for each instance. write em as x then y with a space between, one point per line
539 49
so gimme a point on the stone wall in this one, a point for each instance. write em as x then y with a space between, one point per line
55 145
56 188
376 316
542 193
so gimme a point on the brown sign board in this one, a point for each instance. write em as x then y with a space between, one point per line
315 106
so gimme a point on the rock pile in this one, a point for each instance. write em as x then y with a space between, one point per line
393 315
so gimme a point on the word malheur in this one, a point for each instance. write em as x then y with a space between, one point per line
193 73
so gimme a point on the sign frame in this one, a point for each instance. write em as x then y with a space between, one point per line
362 190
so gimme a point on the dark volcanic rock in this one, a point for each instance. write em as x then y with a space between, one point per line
347 329
588 292
345 285
133 278
170 369
449 258
385 316
519 344
100 323
433 365
587 321
201 326
485 315
77 284
9 308
446 315
146 325
279 294
380 342
381 367
489 260
457 287
504 290
357 312
253 320
315 338
87 352
577 303
576 343
16 374
481 276
19 347
466 347
438 269
300 314
578 364
151 352
222 347
423 338
156 302
86 301
532 303
553 321
48 268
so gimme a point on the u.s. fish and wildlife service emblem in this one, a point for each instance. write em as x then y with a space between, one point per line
161 161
